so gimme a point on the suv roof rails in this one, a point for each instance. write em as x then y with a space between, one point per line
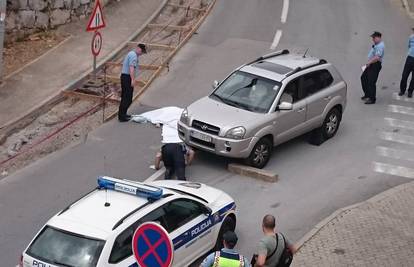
270 55
321 61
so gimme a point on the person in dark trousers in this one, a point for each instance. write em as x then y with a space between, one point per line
129 76
175 157
227 256
272 245
408 68
372 69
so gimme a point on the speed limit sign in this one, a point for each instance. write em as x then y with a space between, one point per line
96 43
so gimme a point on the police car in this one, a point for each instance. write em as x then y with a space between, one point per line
97 230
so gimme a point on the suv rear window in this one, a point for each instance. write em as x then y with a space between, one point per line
59 247
315 81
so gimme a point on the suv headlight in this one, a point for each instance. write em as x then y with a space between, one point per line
184 117
236 133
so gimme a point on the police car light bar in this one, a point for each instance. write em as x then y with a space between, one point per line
129 187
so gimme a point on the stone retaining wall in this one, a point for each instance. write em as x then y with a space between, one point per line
28 16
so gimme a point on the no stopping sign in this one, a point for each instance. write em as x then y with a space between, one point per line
96 43
152 246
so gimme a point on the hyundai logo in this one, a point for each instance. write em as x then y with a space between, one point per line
204 127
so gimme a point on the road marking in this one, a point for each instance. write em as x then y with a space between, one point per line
393 170
401 109
395 153
402 98
399 138
157 175
285 11
399 123
276 40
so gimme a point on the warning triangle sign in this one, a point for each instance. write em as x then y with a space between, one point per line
96 20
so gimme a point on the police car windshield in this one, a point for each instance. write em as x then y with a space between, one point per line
58 247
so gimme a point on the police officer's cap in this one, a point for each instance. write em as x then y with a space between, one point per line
376 34
230 237
143 48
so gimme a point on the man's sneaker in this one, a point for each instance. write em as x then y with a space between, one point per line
370 101
410 94
400 93
364 98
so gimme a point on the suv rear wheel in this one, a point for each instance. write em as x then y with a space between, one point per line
260 154
331 123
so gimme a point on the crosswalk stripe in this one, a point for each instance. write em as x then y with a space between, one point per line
400 123
395 153
393 170
399 138
401 109
402 98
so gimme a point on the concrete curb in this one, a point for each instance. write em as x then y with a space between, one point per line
336 213
157 175
83 75
407 8
254 173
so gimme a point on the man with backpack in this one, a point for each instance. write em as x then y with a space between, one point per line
273 249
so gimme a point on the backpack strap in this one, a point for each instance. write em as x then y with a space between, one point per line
277 244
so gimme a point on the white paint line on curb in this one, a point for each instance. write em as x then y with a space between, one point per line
395 153
157 175
276 40
285 11
395 96
401 109
399 138
400 123
393 170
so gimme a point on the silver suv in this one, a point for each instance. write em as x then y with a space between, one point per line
264 103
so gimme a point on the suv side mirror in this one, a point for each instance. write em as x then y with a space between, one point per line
215 84
285 106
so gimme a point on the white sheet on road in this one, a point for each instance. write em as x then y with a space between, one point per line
168 117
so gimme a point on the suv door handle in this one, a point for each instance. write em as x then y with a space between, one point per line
327 98
301 110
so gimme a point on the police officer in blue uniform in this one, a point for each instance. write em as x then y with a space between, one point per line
129 76
408 68
372 69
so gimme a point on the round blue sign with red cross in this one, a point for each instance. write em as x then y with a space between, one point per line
152 246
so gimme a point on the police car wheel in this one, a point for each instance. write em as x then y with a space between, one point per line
229 224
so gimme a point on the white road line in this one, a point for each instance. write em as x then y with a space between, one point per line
399 138
276 40
395 153
285 11
399 123
393 170
401 109
402 98
157 175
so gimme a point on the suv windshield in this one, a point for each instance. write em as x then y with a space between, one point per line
247 91
65 249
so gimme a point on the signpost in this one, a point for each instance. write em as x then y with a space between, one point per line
2 29
152 246
96 22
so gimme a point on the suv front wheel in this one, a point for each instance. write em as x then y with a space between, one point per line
260 154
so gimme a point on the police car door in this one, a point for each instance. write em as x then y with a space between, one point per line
191 229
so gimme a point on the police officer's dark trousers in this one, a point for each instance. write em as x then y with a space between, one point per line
408 68
369 80
126 95
173 156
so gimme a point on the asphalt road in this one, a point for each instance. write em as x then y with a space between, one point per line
314 181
